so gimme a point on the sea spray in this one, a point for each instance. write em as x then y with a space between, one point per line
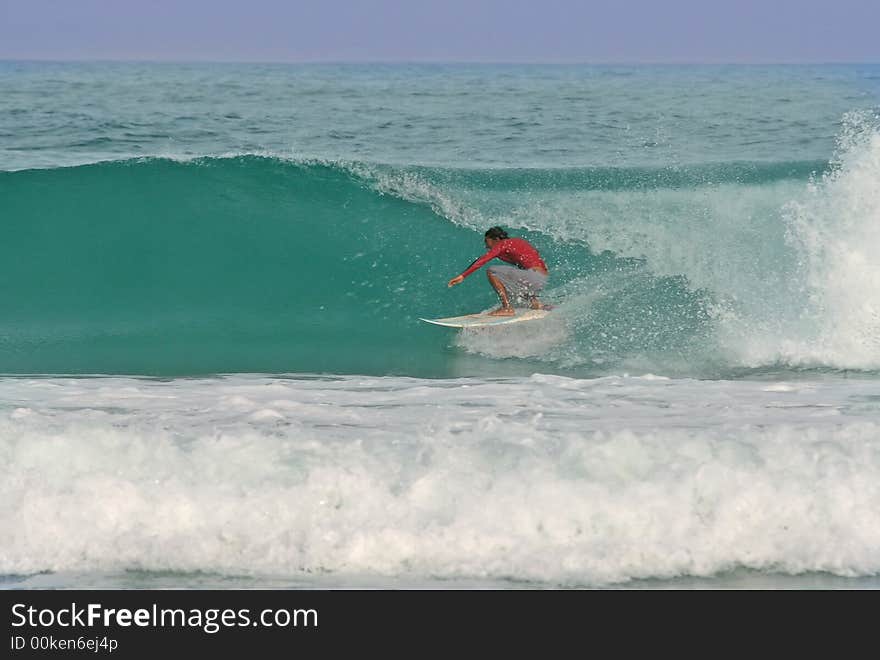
833 228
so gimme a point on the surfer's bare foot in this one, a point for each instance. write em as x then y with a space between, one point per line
503 311
537 304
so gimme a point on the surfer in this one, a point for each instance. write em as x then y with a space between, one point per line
523 282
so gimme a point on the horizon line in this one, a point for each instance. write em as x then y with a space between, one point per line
438 61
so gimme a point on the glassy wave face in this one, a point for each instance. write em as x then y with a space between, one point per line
724 244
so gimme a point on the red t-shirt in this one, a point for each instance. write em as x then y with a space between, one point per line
516 251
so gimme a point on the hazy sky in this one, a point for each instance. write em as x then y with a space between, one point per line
446 30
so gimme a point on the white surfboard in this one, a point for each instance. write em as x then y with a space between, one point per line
483 319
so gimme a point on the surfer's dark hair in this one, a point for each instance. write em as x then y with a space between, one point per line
496 233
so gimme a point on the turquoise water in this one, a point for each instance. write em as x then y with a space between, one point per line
261 265
195 219
214 373
471 115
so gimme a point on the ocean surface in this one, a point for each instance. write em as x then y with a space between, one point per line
213 372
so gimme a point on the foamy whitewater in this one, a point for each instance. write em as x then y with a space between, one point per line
214 373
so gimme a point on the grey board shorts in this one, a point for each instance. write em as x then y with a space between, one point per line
521 284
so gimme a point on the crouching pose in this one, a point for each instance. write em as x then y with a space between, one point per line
520 282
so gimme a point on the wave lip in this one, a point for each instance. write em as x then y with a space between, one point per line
830 228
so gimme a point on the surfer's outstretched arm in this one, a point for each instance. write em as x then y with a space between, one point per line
476 264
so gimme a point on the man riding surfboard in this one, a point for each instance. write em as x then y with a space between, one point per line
522 282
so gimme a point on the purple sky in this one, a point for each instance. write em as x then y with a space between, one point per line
445 30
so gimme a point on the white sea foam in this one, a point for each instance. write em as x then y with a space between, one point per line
547 479
522 340
789 265
836 229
